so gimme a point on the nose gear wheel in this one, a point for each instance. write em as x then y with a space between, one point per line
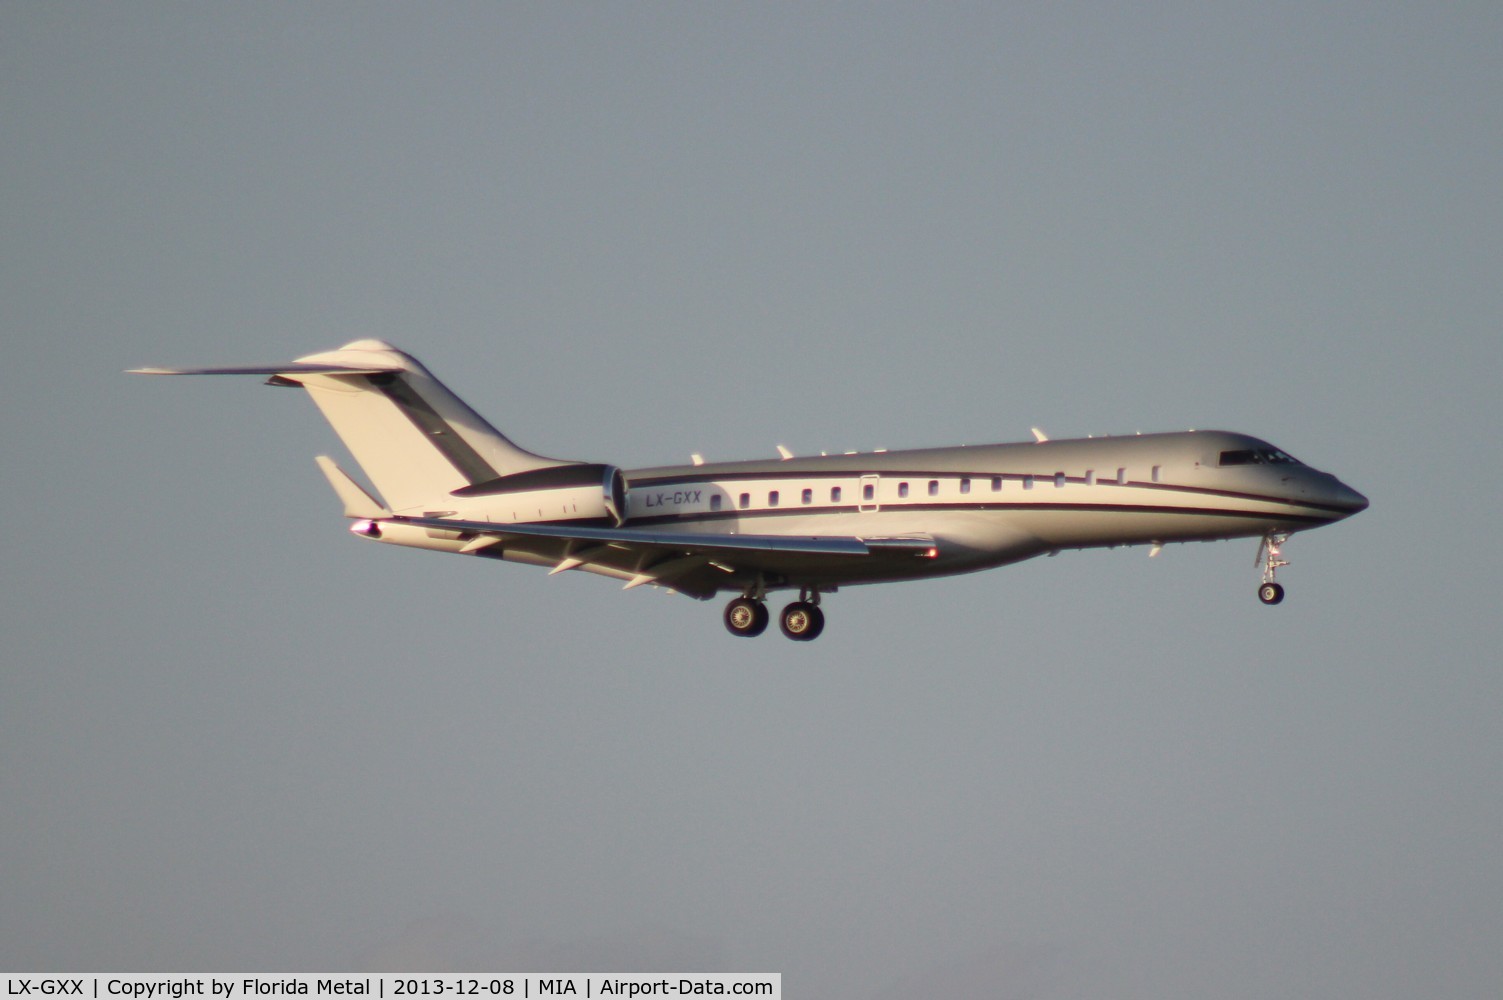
1270 555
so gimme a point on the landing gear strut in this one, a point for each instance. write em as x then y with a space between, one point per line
1270 592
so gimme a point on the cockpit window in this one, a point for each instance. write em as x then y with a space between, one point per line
1256 456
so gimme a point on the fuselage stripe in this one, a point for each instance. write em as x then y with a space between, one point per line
439 433
1041 480
710 516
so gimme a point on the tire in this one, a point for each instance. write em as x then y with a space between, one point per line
1270 593
802 621
746 618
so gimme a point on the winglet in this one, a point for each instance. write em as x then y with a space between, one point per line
357 502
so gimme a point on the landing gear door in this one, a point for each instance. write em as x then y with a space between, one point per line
868 501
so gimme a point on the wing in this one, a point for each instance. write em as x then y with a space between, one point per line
695 563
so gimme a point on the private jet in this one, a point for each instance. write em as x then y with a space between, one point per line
448 481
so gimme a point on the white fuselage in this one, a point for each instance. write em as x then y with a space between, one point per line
982 506
450 482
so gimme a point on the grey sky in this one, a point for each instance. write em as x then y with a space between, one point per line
232 737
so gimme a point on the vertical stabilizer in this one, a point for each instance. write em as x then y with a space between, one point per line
415 439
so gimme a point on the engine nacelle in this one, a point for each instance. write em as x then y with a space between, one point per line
613 490
561 493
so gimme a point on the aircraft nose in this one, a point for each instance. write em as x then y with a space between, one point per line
1349 500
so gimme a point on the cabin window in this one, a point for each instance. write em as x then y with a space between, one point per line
1027 482
1156 470
902 490
745 500
715 501
808 496
772 498
1059 480
1090 477
965 486
869 491
996 484
834 494
1121 477
934 487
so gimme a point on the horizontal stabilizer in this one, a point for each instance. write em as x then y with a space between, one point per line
290 368
357 502
415 441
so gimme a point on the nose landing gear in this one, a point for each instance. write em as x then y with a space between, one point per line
1270 592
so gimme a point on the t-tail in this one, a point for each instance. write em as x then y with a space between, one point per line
416 441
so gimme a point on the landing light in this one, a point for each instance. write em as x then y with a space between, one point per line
366 528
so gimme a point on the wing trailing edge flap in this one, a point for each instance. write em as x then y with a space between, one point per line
678 574
665 573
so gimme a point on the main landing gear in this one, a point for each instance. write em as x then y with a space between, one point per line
800 621
1270 592
746 617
